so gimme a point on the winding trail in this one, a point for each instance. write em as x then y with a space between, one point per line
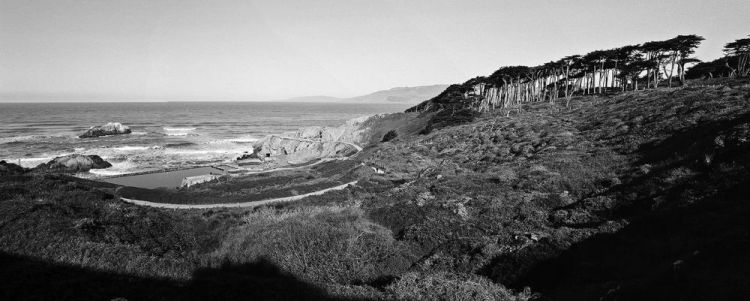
236 205
261 202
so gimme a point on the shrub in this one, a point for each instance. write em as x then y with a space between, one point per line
390 135
449 286
326 244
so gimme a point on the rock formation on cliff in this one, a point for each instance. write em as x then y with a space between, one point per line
316 142
111 128
293 150
353 131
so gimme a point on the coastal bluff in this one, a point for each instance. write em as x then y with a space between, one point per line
319 142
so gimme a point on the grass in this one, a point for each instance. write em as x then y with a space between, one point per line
447 286
640 195
326 244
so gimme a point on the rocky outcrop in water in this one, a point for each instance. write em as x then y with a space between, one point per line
74 163
111 128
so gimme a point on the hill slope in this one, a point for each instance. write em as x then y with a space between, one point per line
638 195
401 94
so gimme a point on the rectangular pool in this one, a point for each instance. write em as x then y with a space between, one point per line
167 179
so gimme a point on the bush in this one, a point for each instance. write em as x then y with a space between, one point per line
389 136
326 244
449 286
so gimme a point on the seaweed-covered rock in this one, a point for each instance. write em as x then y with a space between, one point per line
74 163
111 128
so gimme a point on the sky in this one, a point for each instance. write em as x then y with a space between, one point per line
112 50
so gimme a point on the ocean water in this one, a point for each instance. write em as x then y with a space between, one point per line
165 135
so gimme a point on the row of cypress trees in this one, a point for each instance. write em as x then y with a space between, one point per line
632 67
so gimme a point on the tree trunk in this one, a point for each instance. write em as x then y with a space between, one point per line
567 76
671 70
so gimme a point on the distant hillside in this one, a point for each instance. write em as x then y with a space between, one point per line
401 94
394 95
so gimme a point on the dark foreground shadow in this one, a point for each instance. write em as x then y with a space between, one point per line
23 278
696 253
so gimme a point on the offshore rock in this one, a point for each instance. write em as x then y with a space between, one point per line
111 128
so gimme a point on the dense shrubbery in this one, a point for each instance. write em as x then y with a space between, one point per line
503 194
390 135
447 286
325 244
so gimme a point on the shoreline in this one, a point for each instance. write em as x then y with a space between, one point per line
148 179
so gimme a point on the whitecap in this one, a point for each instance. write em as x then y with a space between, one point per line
244 139
17 139
128 148
30 162
198 152
119 168
178 131
25 138
238 140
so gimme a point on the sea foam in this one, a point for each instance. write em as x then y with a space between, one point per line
179 131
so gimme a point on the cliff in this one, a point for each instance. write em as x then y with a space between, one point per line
312 143
292 150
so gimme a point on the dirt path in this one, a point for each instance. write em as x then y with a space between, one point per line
236 205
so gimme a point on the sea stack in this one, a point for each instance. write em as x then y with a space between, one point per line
111 128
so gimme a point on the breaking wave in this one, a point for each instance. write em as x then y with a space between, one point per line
179 131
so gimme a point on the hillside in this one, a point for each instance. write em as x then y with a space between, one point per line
401 94
639 195
635 195
407 95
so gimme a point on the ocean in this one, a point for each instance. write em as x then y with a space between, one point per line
165 135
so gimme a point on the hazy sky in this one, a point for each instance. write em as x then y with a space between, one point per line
256 50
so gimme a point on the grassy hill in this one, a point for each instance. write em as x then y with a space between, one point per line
635 195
